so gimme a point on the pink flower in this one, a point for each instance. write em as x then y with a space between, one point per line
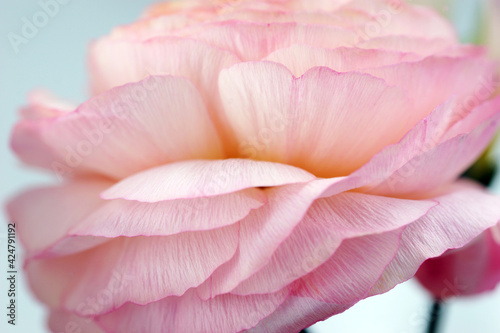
467 271
255 165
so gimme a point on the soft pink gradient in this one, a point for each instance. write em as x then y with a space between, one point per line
254 165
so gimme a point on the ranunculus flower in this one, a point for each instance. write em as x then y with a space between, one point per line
254 165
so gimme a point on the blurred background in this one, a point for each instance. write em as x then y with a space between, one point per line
55 58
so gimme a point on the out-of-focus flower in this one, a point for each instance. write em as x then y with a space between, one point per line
467 271
255 165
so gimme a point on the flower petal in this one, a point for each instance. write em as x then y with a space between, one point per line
138 269
452 157
132 218
45 215
261 233
76 219
122 131
465 210
197 179
61 321
223 314
470 270
300 58
335 286
422 46
117 62
400 18
434 80
45 105
325 122
326 225
389 170
254 41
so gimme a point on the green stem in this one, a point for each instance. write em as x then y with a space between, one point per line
435 317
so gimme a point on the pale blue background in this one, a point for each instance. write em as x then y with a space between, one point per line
55 59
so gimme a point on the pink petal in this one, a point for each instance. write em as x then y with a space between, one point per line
60 321
117 62
223 314
254 41
261 233
353 270
76 219
335 286
470 270
197 178
45 215
387 172
132 218
391 158
495 232
286 318
422 46
418 176
122 131
45 105
300 58
327 224
329 134
401 19
149 28
465 210
139 270
257 15
475 118
436 79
